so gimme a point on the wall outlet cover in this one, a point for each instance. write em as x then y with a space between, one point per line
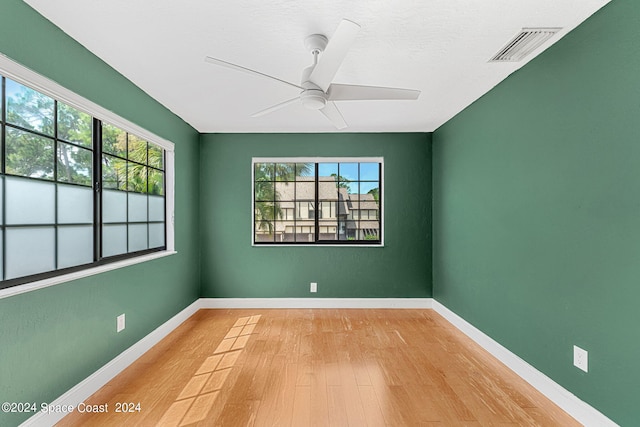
580 358
120 323
313 287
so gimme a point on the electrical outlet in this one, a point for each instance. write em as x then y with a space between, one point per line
313 287
580 358
120 323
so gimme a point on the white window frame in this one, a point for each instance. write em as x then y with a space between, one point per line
380 160
19 73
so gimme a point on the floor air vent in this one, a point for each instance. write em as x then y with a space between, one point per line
525 42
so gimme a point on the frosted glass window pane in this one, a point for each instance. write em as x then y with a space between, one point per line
156 235
75 245
75 204
114 240
137 207
1 213
30 201
30 251
1 237
137 237
114 206
156 208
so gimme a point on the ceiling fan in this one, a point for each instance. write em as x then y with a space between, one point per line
317 90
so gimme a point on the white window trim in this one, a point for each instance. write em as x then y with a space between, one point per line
21 74
255 160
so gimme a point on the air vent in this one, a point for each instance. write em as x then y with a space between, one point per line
525 42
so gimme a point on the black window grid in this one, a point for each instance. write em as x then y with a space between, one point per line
318 223
96 184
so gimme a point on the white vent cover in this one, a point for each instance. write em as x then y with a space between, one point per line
525 42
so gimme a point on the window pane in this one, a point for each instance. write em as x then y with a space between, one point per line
369 171
265 191
328 230
30 201
75 245
328 188
114 240
156 156
348 172
156 208
342 230
285 171
156 235
305 231
305 190
264 231
137 207
29 108
156 182
285 191
368 230
1 253
114 173
327 169
114 206
74 164
306 169
114 140
29 251
265 211
327 210
137 237
264 172
74 125
284 232
75 204
136 177
29 154
349 187
137 148
370 188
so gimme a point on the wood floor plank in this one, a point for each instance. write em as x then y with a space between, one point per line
326 367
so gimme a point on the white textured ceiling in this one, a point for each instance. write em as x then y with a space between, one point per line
440 47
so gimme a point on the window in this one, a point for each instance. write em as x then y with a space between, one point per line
133 193
75 191
346 191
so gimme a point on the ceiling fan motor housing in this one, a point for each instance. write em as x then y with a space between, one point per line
312 96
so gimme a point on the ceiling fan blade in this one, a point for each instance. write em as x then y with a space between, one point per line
276 107
334 115
339 92
334 54
236 67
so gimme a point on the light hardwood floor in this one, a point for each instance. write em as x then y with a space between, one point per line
319 367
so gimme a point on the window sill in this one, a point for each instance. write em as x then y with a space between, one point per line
28 287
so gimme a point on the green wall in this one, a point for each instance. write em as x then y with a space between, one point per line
52 339
231 267
537 211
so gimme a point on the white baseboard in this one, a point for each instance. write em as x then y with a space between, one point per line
578 409
95 381
316 302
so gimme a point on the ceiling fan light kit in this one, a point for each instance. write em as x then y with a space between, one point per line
317 92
